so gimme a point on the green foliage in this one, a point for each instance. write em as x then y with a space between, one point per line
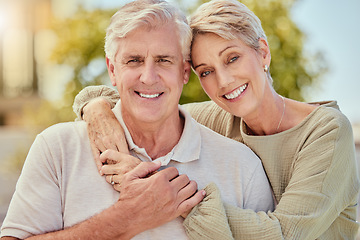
81 45
290 68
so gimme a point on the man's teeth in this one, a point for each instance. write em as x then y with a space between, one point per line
236 93
149 95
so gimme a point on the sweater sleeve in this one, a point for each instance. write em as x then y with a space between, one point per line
91 92
208 219
319 201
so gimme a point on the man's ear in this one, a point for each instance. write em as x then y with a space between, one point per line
111 71
264 51
187 71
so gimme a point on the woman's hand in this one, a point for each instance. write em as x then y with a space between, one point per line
104 130
116 165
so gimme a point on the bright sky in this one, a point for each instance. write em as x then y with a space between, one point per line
333 28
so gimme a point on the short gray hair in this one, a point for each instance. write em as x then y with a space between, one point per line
149 13
230 20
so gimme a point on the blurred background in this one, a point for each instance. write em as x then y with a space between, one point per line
51 49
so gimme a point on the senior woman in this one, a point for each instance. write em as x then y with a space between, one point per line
307 149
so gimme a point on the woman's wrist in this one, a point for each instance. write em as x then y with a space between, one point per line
95 104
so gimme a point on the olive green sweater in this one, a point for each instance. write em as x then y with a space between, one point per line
311 168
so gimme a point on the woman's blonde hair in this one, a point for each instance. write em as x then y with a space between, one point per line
230 20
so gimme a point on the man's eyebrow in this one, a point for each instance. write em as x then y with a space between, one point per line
165 56
127 56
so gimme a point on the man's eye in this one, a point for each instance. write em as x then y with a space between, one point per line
205 73
133 61
163 60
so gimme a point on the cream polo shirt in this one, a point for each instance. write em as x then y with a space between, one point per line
206 157
60 186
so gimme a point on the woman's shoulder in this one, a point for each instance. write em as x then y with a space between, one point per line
329 116
330 110
211 115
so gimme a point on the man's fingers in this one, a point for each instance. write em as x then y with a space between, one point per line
169 173
180 181
187 191
188 204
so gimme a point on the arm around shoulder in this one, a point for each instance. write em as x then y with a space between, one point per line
91 92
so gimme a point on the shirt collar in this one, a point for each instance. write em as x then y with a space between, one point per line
187 150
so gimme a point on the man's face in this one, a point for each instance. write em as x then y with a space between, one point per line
149 72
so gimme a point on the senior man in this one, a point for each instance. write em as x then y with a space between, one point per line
60 194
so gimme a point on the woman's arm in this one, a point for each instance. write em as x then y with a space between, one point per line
92 92
94 104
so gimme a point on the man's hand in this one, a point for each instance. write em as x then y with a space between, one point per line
158 199
104 130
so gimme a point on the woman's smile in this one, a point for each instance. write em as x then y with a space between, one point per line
236 92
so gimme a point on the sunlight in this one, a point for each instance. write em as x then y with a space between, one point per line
3 20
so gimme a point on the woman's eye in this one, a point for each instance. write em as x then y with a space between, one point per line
205 73
233 59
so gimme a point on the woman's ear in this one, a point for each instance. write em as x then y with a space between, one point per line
111 71
264 52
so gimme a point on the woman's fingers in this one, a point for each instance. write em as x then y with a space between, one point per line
116 164
111 156
96 154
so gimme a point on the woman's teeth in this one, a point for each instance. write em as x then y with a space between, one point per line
236 93
149 95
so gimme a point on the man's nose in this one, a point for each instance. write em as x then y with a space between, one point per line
149 75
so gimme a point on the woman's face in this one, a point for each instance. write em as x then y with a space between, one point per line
230 72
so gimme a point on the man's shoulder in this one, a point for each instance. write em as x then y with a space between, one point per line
221 143
65 130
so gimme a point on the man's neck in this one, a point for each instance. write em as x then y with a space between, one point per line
158 139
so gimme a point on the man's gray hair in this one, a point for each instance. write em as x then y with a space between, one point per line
146 13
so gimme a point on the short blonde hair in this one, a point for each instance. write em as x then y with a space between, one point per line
230 20
149 13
